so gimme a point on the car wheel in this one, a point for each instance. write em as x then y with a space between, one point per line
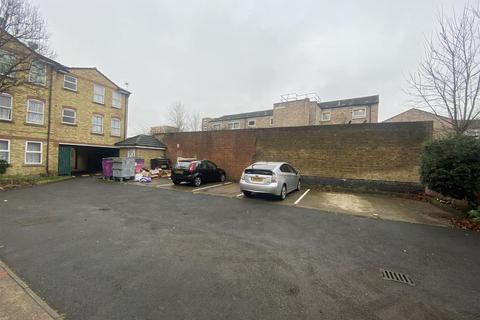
176 182
283 193
299 185
197 181
222 178
247 194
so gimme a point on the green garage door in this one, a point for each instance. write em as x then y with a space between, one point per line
64 158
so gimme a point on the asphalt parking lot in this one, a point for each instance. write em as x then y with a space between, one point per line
377 206
97 250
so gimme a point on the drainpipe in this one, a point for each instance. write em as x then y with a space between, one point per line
126 118
49 125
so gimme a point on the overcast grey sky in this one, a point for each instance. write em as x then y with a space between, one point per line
222 57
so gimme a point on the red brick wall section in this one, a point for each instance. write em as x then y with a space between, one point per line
231 150
376 151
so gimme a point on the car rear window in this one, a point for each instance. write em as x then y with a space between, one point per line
183 164
265 172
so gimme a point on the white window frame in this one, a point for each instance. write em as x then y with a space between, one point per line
254 125
42 113
233 123
326 113
44 80
71 82
96 95
41 152
119 127
6 150
8 107
119 95
216 126
359 117
130 152
93 124
74 117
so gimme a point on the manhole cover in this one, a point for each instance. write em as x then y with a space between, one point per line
397 277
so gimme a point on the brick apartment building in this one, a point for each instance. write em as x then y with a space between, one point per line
63 119
442 126
304 110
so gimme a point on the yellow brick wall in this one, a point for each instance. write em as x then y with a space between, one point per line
82 102
261 122
343 115
18 131
441 128
146 154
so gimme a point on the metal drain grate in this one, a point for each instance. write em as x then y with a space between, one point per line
397 277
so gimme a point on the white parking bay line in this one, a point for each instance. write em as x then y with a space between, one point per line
209 187
164 185
301 197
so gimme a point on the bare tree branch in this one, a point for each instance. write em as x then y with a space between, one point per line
23 37
448 77
194 121
177 116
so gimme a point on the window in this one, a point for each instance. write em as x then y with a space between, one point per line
98 94
252 123
69 116
271 121
473 132
326 116
115 131
285 168
7 61
211 165
5 150
35 111
359 113
131 152
216 126
69 83
33 152
116 99
38 73
97 124
5 107
233 125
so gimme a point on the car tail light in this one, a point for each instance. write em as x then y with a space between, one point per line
191 167
274 177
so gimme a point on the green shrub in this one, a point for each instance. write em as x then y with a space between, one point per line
451 167
474 215
3 166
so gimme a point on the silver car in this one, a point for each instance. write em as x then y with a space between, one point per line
278 178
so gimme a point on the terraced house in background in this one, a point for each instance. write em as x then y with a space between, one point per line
300 110
62 119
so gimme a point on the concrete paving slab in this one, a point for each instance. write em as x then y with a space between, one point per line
19 302
377 206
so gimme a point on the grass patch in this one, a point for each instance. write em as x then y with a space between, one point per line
12 182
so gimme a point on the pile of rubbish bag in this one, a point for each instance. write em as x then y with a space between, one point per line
146 176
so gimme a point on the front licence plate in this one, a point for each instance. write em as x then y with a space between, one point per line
179 171
257 179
